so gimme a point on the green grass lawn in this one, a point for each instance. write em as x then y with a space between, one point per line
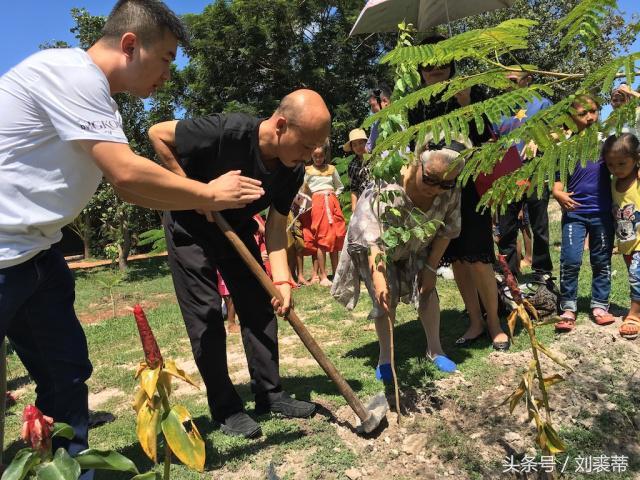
310 446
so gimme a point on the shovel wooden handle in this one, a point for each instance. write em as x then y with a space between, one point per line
308 341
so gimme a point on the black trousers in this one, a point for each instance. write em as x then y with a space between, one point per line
37 314
539 220
194 256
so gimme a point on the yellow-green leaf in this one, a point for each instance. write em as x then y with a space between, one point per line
552 380
149 380
524 316
184 438
511 322
534 413
147 428
515 397
531 310
552 355
141 367
541 437
171 368
139 399
553 441
165 381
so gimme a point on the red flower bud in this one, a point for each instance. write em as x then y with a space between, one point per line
149 345
37 428
510 280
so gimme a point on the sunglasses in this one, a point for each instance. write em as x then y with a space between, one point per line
436 182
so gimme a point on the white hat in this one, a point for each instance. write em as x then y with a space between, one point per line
355 134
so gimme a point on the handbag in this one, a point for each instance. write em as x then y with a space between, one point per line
509 163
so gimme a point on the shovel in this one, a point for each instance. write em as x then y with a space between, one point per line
376 410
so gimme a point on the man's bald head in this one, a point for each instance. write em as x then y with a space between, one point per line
301 123
305 109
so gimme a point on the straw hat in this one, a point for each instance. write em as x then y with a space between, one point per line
355 134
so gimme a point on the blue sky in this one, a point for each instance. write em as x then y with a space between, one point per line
25 24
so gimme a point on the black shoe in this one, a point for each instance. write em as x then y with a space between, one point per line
501 346
283 404
467 342
97 419
241 425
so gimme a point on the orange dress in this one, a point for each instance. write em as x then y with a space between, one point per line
326 228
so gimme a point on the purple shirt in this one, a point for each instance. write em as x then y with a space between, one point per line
591 187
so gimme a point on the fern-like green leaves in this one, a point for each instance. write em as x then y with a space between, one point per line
557 155
603 78
155 238
555 163
456 122
583 22
506 37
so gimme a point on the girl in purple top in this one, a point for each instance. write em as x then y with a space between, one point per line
586 206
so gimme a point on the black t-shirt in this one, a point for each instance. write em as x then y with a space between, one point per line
211 146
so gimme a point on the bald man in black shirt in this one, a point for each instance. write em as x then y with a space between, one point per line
271 151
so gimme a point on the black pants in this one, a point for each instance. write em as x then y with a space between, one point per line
194 256
37 314
539 220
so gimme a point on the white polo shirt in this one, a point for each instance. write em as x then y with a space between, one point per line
46 102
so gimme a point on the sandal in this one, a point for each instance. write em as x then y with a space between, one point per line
601 317
567 323
630 328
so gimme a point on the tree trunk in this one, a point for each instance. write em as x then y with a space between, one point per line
86 241
124 249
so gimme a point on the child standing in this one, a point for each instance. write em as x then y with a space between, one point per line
328 227
622 155
359 175
586 206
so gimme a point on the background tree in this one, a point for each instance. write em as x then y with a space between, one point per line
247 54
544 46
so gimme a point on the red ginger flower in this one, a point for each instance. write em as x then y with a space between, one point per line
510 280
151 350
37 428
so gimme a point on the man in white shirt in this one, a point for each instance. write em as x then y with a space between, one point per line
60 132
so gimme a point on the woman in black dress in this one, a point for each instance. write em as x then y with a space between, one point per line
471 255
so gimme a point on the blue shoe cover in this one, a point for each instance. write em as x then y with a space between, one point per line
384 373
444 364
